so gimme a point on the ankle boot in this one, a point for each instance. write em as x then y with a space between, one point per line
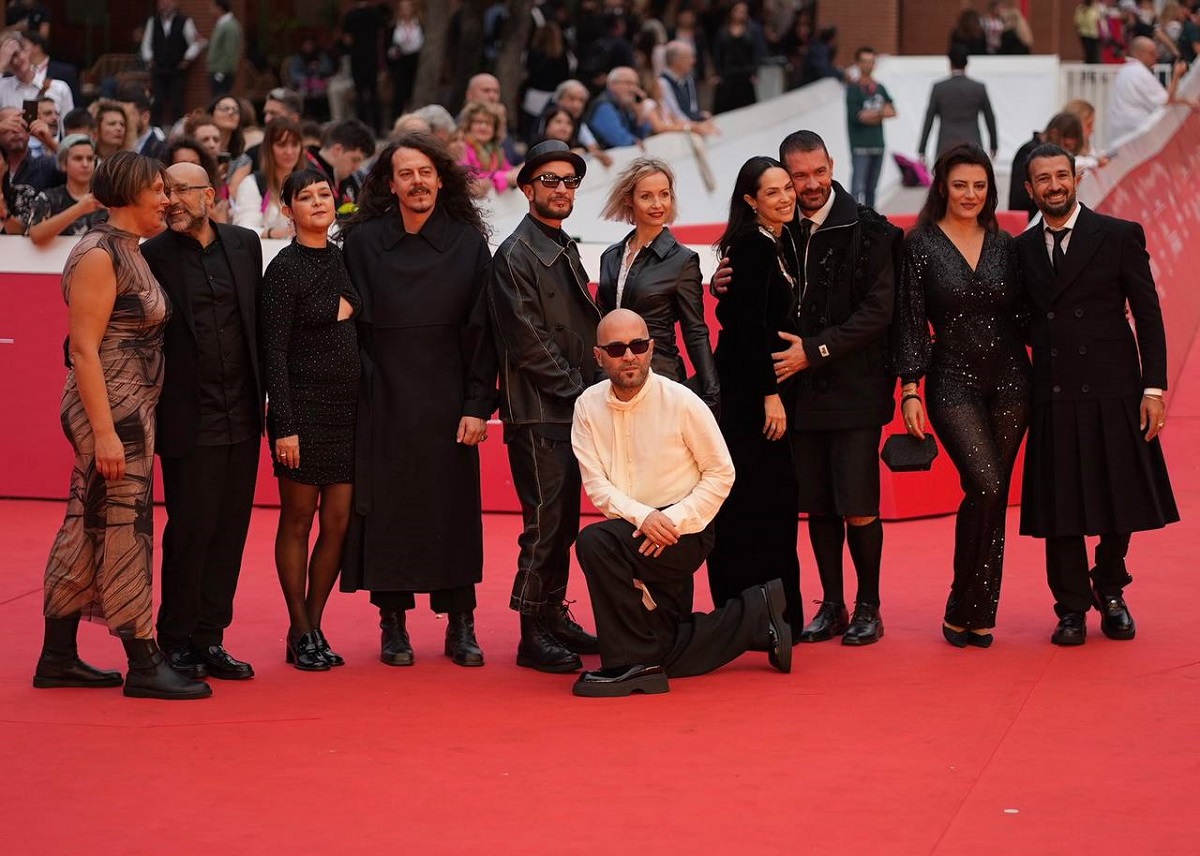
394 647
538 649
570 635
60 666
461 645
150 676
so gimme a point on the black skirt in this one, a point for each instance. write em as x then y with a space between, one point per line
1090 471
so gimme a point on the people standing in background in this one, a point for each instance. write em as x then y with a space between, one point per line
868 104
956 102
960 273
310 360
26 82
418 254
737 52
403 54
210 421
169 46
344 147
547 64
1137 93
224 50
968 34
70 208
362 36
257 203
113 129
1089 18
481 126
1064 129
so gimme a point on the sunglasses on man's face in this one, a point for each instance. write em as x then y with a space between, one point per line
616 350
551 180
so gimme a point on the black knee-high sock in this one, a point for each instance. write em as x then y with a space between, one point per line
866 549
827 535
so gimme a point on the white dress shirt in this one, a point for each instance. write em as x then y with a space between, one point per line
1137 96
660 450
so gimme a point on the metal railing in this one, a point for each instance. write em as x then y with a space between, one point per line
1093 83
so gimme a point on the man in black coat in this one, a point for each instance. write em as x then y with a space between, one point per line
1093 463
843 395
544 322
210 421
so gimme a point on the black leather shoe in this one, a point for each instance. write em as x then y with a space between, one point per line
866 626
150 676
622 681
1071 629
330 656
831 620
957 638
566 630
394 647
221 664
980 640
59 665
779 650
1115 620
538 649
304 653
461 645
187 662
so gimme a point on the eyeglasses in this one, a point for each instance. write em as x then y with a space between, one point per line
616 350
549 179
184 188
227 108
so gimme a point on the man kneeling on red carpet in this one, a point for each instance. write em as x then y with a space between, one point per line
654 462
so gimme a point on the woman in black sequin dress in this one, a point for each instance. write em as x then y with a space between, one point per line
960 274
310 355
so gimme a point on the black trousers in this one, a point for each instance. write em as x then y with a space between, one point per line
546 477
168 98
670 635
1067 570
457 599
209 494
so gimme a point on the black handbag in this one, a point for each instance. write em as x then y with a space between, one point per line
904 453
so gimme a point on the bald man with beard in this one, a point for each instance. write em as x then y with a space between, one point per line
210 421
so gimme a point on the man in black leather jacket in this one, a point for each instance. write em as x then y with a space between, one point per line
545 326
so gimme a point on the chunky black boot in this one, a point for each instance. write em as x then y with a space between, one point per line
566 630
150 676
394 647
60 666
461 645
538 649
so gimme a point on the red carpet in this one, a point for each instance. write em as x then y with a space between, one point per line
909 747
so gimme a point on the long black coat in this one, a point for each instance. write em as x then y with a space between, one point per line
427 360
1088 469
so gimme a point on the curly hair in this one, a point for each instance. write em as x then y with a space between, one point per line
377 200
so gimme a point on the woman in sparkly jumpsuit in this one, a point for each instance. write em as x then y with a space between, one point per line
960 275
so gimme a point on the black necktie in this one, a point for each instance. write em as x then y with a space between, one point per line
1058 255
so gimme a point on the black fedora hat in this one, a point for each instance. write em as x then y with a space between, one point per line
545 152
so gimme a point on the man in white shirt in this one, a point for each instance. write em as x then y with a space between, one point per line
654 462
27 82
1137 94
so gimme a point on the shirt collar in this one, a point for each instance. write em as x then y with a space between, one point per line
617 404
435 232
819 218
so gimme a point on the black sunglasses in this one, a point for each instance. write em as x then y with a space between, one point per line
549 179
616 350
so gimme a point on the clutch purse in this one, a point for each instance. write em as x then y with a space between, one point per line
904 453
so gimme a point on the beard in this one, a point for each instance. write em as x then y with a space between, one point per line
185 221
1059 209
630 377
546 209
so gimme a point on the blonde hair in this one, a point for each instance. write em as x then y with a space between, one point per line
1082 109
619 205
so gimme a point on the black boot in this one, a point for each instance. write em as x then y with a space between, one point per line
461 645
394 647
570 635
60 666
150 676
538 649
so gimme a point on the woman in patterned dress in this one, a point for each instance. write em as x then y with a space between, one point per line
101 563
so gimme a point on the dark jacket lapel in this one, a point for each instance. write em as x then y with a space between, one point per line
1086 239
231 243
1036 269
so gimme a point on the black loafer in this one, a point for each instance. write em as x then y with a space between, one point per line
221 664
187 662
779 650
622 681
1115 620
866 626
831 620
1071 629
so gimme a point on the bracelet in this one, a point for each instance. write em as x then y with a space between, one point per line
909 395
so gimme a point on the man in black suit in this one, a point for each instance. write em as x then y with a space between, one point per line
957 102
1093 463
210 421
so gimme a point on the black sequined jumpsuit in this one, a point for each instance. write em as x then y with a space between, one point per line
977 393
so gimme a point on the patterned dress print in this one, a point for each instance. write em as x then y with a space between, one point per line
101 562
